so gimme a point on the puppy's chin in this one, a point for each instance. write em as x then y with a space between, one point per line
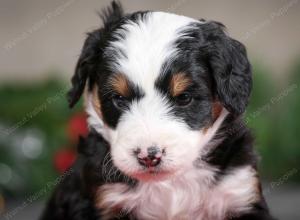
153 175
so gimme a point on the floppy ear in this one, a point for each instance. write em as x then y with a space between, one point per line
82 71
91 54
230 68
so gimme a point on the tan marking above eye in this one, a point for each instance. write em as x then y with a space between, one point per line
120 84
179 83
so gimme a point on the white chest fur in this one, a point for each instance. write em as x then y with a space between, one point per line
190 196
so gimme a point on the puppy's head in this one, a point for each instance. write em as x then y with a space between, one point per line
158 87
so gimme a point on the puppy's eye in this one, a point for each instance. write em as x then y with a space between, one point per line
183 99
120 102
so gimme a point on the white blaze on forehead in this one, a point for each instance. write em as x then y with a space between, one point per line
147 44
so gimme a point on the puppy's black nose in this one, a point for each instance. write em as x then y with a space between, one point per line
152 159
153 151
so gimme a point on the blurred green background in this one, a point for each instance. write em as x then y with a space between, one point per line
40 42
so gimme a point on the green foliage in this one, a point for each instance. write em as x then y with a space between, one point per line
259 115
273 116
39 111
288 122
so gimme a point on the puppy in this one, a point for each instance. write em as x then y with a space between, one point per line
164 96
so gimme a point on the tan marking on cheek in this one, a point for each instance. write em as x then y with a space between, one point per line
257 192
96 101
109 200
258 187
216 110
205 129
120 84
179 83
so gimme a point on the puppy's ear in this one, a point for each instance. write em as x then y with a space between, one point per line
230 68
91 54
84 68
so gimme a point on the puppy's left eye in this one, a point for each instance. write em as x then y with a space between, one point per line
183 99
120 102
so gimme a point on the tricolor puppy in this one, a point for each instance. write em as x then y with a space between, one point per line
164 96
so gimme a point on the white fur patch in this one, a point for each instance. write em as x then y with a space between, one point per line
147 44
189 196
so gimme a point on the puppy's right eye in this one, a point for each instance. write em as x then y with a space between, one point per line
120 102
183 99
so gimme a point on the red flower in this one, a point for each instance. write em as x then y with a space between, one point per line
77 126
63 159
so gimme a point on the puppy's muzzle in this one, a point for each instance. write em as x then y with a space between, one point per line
151 159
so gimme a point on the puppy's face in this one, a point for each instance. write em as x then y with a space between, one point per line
153 91
155 126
